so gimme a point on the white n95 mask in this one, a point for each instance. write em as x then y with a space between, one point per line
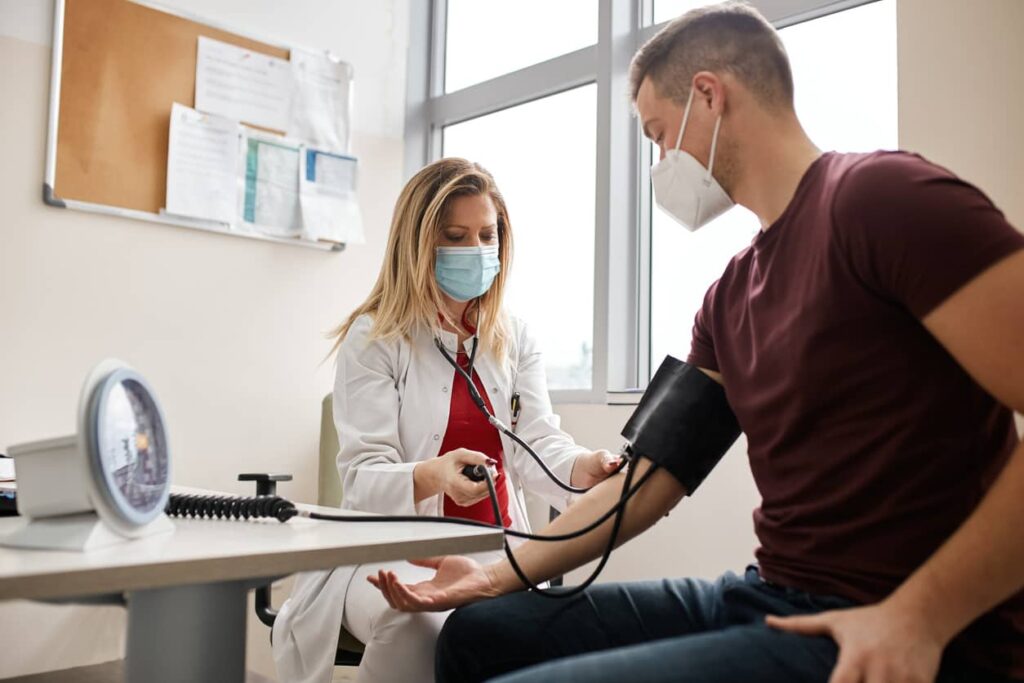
683 188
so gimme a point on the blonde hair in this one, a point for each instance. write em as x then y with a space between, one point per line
406 295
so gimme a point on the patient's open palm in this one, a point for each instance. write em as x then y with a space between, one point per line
458 581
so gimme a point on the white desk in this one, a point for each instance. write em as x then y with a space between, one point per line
186 591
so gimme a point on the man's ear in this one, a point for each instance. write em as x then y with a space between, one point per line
709 92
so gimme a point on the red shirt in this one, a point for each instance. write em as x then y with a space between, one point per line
468 428
868 442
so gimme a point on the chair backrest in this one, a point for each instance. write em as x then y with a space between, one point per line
329 494
329 484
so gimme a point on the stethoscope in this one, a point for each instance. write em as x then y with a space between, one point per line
283 509
481 473
467 375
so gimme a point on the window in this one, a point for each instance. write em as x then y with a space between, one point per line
667 10
846 99
542 156
536 91
488 38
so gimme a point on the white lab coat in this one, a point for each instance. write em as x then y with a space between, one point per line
391 403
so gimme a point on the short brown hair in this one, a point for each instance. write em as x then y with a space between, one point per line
732 37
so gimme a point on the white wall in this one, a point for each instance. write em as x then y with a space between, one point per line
228 330
962 91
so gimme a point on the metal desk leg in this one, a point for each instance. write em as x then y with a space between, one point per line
187 634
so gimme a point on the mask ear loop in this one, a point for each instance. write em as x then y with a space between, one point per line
714 145
686 117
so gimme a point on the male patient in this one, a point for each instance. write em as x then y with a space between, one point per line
870 343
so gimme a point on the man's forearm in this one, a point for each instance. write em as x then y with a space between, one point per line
541 560
981 565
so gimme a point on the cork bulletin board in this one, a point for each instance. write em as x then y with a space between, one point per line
118 66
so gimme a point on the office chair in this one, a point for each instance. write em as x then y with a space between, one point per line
350 650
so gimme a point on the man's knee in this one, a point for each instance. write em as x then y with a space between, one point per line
457 635
465 637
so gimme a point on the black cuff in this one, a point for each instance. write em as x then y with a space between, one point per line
683 423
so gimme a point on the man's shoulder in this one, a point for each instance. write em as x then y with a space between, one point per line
738 267
733 282
860 176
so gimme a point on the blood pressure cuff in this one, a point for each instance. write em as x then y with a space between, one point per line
683 423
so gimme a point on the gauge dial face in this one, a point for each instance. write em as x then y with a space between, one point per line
131 447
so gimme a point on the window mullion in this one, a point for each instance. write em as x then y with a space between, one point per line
783 13
617 295
645 245
419 86
518 87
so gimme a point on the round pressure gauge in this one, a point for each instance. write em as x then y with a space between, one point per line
121 433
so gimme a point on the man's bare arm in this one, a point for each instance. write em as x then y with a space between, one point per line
460 580
982 564
541 560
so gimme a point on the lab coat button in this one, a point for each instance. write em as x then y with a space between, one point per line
436 437
444 389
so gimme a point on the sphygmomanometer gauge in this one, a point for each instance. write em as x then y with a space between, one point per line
109 482
122 431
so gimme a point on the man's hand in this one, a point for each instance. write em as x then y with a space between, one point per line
877 644
590 469
458 581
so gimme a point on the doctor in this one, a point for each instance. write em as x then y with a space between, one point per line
407 425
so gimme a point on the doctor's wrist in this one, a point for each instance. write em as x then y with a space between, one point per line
590 469
427 479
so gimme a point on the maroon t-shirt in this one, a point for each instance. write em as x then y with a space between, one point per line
869 444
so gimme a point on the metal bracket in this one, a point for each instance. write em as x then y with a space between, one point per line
51 199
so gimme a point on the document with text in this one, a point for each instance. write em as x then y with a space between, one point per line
244 85
202 165
327 195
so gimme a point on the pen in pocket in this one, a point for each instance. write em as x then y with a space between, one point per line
516 407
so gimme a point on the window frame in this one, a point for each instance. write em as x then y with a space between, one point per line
622 286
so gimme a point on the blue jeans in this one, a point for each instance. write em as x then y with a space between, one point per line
678 630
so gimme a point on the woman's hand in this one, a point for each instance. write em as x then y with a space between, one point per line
590 469
443 474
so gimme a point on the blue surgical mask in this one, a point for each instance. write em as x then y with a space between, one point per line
465 273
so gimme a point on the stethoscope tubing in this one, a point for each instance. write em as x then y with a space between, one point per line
617 510
482 406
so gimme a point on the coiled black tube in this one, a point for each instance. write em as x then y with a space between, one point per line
231 507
